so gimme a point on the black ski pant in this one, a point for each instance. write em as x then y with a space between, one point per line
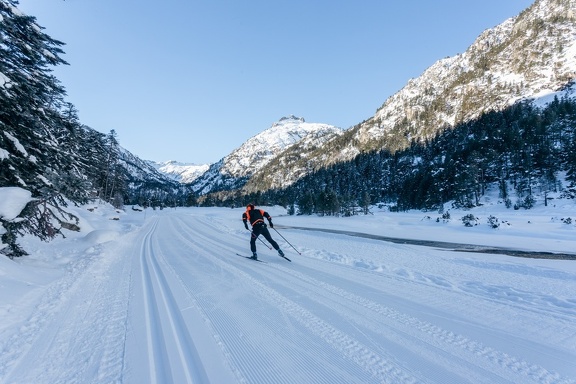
261 229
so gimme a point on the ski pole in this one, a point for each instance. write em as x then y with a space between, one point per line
286 240
262 241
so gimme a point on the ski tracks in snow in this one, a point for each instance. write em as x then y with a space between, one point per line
478 362
172 356
387 344
349 361
170 303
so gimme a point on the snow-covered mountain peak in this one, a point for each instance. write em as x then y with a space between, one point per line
289 119
259 150
523 58
182 172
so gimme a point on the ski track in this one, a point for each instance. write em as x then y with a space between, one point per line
430 339
497 361
377 369
165 325
171 303
426 338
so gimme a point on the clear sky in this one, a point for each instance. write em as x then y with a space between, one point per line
192 80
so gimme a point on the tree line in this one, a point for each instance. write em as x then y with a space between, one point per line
525 151
45 149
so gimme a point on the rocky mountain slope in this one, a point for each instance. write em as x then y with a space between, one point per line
256 153
523 58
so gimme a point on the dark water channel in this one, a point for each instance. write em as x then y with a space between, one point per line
451 246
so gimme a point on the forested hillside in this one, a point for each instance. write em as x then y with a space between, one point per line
523 58
45 149
524 151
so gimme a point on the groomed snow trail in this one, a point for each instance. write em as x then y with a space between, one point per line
171 303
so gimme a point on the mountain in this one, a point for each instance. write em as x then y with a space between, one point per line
43 146
252 157
522 58
526 57
141 174
46 151
181 172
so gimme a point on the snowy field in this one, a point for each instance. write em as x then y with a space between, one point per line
162 297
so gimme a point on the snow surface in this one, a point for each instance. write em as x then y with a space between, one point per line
161 297
12 201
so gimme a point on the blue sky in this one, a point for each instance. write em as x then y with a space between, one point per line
191 80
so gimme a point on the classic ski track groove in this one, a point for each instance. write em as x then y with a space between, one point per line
297 290
407 329
242 356
377 368
158 300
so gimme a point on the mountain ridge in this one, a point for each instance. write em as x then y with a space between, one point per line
183 173
524 57
233 170
513 61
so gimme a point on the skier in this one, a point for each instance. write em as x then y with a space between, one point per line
256 219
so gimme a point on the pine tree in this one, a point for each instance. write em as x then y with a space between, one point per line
29 95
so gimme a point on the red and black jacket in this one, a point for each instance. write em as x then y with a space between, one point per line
255 216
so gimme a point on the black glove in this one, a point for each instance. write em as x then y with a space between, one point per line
271 225
246 226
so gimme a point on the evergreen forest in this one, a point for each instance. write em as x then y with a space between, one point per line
46 150
524 149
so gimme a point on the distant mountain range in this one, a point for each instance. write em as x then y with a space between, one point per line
251 157
181 172
525 57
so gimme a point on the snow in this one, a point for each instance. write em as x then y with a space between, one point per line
546 97
12 201
160 296
16 143
4 80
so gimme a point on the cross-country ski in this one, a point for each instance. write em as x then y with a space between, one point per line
250 258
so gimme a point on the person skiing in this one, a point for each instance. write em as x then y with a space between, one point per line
256 218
